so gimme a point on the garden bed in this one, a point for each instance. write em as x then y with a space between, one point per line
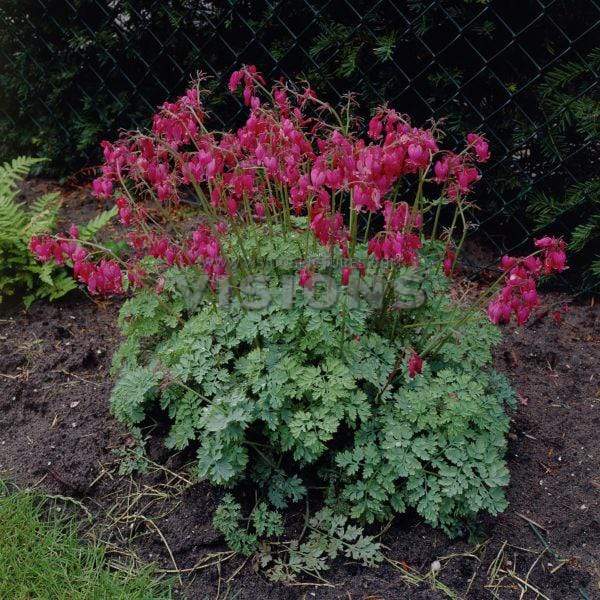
56 434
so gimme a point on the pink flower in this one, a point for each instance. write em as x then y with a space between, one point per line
235 80
448 262
519 295
305 278
102 187
396 217
507 263
441 170
418 155
555 261
530 298
346 272
553 253
79 254
375 128
481 146
42 248
399 247
415 365
499 312
83 270
522 314
106 278
465 177
546 242
533 264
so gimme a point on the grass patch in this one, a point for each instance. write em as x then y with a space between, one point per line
42 558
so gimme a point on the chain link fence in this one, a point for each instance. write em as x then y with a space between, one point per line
73 72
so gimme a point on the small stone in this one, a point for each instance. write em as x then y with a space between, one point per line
436 566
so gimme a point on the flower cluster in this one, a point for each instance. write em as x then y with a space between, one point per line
397 243
201 248
295 156
104 278
285 159
519 294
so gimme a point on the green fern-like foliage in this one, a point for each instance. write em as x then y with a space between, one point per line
19 271
94 226
287 394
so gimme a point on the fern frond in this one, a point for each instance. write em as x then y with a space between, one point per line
11 173
12 218
93 227
43 214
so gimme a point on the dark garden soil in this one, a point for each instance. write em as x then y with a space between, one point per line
56 434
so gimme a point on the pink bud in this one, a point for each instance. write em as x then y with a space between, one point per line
416 153
441 169
523 313
415 365
305 278
448 262
346 272
507 263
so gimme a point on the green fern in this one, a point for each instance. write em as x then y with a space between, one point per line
93 227
43 214
18 224
12 218
11 174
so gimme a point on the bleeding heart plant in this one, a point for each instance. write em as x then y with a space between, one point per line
392 401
